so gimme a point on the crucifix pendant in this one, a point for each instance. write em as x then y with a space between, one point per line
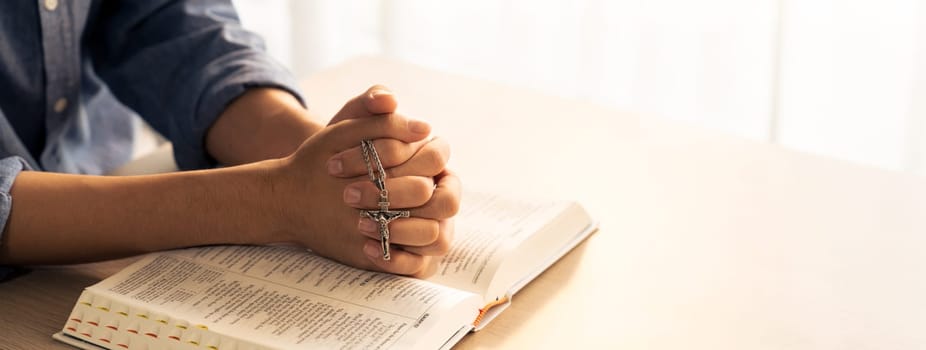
383 216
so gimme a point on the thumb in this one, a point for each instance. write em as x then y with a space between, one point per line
376 100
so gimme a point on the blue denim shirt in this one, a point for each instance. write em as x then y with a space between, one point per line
74 73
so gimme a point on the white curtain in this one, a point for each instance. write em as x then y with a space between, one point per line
852 80
842 78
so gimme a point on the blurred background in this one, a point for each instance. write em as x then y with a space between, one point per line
841 78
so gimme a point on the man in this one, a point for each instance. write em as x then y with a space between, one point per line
73 73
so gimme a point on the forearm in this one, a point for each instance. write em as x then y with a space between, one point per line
59 218
263 123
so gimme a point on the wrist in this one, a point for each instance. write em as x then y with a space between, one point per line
261 204
276 202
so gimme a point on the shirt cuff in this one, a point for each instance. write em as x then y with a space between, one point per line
10 167
246 73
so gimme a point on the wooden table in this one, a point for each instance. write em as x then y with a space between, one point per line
707 241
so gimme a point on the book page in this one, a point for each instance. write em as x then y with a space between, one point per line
283 297
488 228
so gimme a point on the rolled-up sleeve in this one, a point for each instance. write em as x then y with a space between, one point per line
179 64
10 167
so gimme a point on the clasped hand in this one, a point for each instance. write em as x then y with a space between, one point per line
325 183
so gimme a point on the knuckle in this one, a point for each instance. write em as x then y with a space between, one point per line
424 184
423 188
429 269
442 245
432 233
448 205
382 126
454 206
442 147
397 125
436 159
393 152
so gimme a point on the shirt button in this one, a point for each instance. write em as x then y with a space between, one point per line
61 103
51 5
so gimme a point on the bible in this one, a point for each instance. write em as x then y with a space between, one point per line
284 297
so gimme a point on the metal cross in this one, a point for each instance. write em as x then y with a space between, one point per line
383 216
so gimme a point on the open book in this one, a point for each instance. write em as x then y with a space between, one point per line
260 297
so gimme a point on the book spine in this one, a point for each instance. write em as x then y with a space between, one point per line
108 323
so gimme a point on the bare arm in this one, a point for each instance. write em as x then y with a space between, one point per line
61 218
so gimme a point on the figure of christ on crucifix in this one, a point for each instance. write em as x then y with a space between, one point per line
384 217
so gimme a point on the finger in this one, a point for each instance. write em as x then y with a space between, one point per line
391 153
441 244
404 192
400 262
377 100
349 133
430 160
445 201
431 265
405 231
